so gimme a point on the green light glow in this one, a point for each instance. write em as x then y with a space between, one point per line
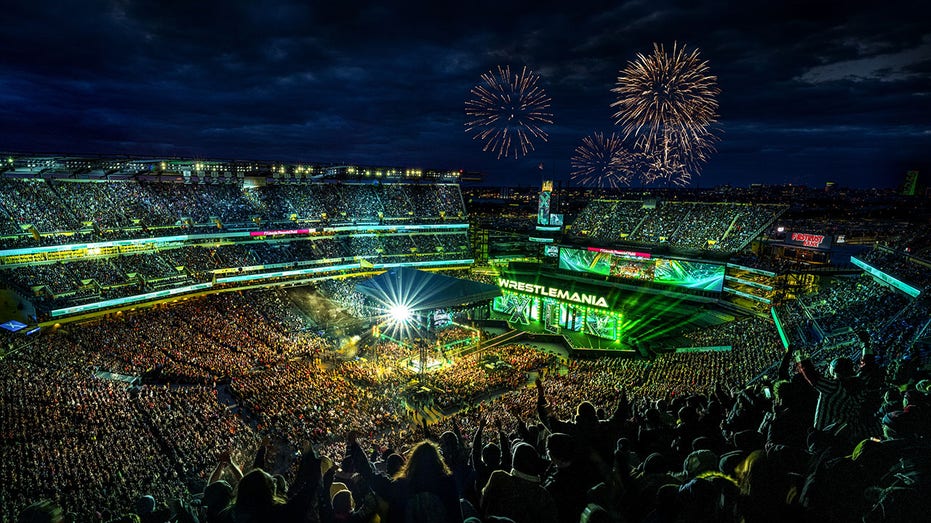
782 333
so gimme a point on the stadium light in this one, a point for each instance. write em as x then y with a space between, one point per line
400 313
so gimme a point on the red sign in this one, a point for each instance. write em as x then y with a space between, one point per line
628 254
286 232
816 241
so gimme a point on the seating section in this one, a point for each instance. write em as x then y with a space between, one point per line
721 227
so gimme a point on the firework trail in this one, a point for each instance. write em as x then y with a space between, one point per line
667 103
602 162
508 111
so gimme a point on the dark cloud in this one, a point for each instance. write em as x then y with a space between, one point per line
811 91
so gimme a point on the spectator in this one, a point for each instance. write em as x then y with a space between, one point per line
424 489
844 393
518 494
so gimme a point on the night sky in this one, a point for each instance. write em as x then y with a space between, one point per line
839 92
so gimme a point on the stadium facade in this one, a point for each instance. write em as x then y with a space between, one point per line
88 235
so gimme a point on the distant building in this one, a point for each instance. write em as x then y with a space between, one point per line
910 183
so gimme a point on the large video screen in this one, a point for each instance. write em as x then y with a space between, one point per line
585 261
632 269
603 326
689 274
680 273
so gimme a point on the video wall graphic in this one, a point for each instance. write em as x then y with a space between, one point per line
555 314
679 273
690 274
585 261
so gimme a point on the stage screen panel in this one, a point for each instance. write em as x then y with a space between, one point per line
585 261
632 268
543 215
603 326
690 274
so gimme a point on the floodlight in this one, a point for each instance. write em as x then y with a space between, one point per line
400 313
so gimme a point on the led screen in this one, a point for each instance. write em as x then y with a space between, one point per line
585 261
633 269
689 274
603 326
680 273
543 216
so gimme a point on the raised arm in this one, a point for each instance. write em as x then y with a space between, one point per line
426 430
550 422
541 403
622 409
476 453
783 373
307 495
807 369
224 462
503 442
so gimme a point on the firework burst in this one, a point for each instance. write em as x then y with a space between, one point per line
667 103
602 162
507 112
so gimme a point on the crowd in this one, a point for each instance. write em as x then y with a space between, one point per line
725 227
901 265
854 303
609 219
479 375
125 205
766 263
72 282
689 225
343 293
735 435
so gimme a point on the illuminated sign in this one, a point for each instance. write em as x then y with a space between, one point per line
747 295
13 325
627 254
584 261
814 241
287 232
779 329
712 348
553 292
543 211
886 278
751 270
808 240
87 307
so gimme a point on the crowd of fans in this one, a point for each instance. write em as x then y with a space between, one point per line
725 227
343 293
135 206
693 435
902 265
765 263
852 303
61 284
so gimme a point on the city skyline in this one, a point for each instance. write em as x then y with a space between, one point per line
809 94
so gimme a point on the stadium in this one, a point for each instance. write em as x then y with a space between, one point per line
168 321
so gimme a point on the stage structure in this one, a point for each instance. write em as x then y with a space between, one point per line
412 302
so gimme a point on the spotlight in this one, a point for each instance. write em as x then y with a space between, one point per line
400 313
